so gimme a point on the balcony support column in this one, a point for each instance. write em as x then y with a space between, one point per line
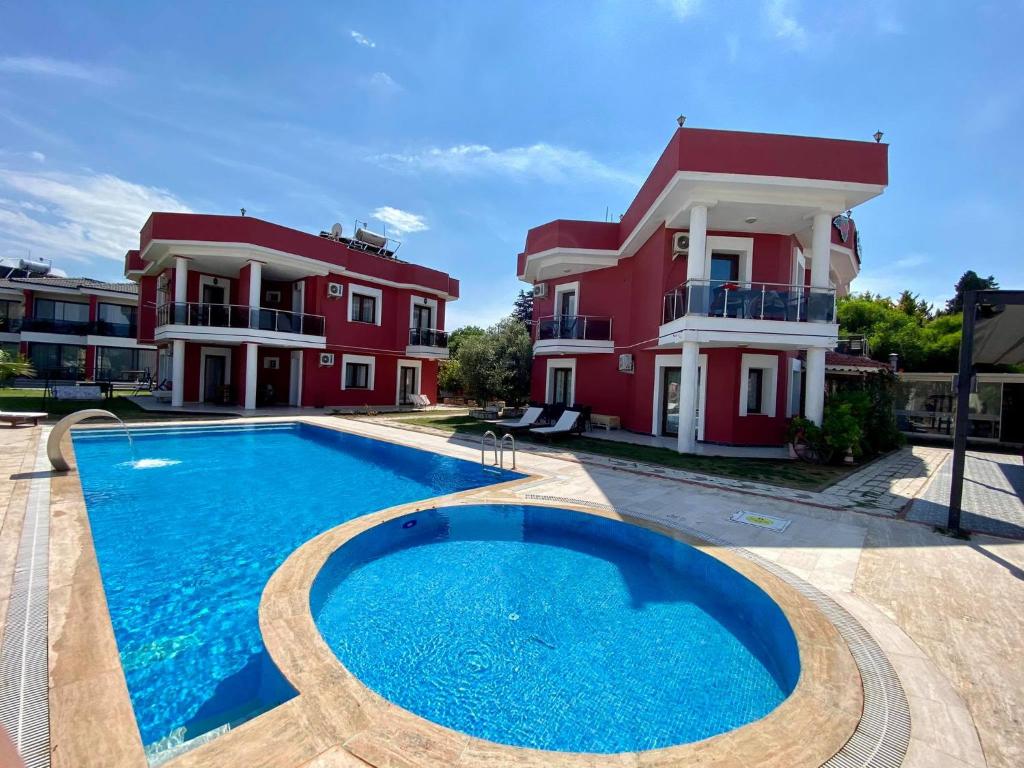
821 245
250 375
180 279
696 259
687 440
814 385
178 373
255 281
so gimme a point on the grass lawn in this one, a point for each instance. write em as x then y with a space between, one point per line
790 474
119 405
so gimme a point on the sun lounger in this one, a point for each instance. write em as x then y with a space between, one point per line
13 418
527 420
420 401
565 425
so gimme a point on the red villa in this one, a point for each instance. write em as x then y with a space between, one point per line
706 312
251 313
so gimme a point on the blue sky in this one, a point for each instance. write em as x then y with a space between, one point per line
461 125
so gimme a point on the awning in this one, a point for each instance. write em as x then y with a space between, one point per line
999 335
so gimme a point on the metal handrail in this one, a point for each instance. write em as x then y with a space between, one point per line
750 300
427 337
483 441
577 327
199 314
501 454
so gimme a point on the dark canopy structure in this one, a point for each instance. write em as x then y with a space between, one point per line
993 334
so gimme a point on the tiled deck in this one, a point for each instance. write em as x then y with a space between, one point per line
946 612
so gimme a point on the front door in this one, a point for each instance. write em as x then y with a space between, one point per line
406 384
561 386
213 378
213 294
670 401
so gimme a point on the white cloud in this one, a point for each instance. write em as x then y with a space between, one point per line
362 39
76 216
383 84
401 222
38 156
542 161
683 9
41 65
783 23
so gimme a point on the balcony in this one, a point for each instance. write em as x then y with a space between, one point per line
561 334
242 324
65 327
10 324
428 343
750 301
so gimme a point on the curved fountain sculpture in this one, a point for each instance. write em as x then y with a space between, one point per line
53 451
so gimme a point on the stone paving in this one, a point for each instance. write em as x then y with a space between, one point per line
993 498
891 483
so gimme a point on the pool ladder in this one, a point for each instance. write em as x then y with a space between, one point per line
498 446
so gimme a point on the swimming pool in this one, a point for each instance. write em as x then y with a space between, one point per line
188 536
553 629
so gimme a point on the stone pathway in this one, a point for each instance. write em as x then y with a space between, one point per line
993 500
891 483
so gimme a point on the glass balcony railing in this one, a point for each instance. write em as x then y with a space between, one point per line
578 327
43 325
235 316
428 337
750 301
10 324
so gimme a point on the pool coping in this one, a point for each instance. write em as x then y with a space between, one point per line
344 715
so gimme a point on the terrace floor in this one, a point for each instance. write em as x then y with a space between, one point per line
945 611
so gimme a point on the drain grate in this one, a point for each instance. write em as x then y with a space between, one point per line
883 733
24 683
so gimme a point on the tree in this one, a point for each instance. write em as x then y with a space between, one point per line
449 376
912 305
13 365
456 337
496 364
522 310
969 281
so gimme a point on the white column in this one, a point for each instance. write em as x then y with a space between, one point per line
697 291
821 244
250 375
255 281
687 441
178 373
180 279
814 385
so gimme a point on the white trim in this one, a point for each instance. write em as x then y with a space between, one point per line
430 353
10 338
238 336
415 301
769 383
116 341
572 347
552 365
675 361
365 290
799 267
206 352
740 246
573 288
370 376
734 331
418 365
35 337
208 280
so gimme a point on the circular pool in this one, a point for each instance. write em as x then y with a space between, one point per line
553 629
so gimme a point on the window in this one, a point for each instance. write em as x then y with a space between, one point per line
124 363
357 375
561 386
10 312
422 317
57 361
725 268
117 313
364 308
62 311
755 390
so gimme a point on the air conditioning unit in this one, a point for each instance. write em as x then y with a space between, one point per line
272 363
335 290
326 359
680 244
626 364
540 290
272 297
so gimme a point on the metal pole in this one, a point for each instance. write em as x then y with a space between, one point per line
963 404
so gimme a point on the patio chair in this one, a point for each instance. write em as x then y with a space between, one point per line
419 402
526 421
564 426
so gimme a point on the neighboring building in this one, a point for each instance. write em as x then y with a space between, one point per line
926 407
248 312
687 317
73 328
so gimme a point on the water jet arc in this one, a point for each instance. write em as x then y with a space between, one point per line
53 452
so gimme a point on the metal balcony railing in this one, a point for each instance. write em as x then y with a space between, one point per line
579 327
428 337
235 316
750 301
43 325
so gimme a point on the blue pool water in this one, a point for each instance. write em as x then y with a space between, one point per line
188 537
546 628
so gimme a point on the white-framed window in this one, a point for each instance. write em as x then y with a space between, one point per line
567 299
759 375
741 247
796 388
214 289
358 371
364 304
561 381
423 313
